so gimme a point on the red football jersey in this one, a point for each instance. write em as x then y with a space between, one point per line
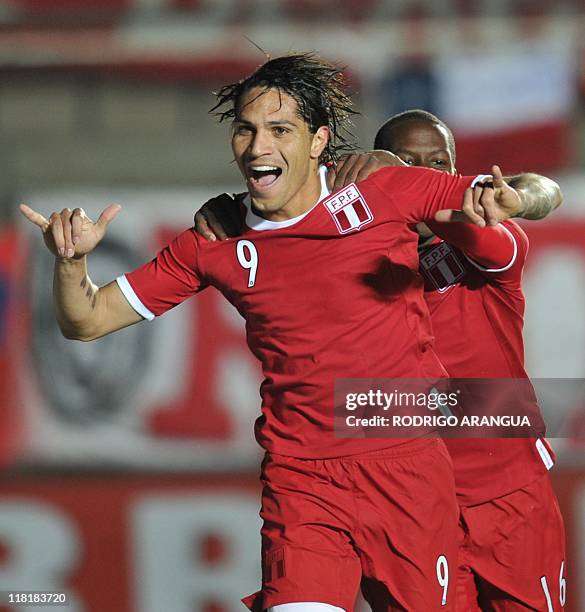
334 293
477 311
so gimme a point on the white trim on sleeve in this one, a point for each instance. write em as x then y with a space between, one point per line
479 178
506 267
133 299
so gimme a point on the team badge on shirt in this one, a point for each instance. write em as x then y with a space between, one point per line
441 266
349 209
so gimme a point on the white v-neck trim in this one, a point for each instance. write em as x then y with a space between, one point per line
255 222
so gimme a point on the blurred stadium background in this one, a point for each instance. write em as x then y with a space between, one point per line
129 470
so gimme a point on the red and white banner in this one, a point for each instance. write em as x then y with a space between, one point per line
511 106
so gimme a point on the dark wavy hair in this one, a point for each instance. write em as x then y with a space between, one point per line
318 89
383 136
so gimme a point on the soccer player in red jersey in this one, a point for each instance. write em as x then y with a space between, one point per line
512 551
512 541
312 276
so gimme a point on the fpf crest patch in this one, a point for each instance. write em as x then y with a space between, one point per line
349 209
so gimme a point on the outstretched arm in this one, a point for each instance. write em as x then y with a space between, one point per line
488 201
496 248
529 196
84 311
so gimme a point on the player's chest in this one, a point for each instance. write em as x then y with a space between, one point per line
258 270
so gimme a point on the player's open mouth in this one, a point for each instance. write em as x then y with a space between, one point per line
263 177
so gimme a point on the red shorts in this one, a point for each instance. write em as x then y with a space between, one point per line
512 552
385 521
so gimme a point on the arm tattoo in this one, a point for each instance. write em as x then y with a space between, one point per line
539 194
90 292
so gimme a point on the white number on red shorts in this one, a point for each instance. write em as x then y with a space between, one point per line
543 582
248 258
562 585
562 589
443 576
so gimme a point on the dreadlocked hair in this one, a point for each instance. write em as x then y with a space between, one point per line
316 86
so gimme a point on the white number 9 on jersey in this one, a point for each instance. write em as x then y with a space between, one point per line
248 259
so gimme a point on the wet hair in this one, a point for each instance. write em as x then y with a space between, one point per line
412 115
318 88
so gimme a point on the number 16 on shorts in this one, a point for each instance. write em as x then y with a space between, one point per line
562 590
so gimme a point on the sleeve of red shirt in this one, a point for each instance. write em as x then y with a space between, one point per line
417 194
498 251
166 281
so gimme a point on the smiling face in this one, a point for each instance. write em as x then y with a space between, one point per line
277 154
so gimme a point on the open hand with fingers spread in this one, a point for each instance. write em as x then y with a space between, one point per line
71 233
489 202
